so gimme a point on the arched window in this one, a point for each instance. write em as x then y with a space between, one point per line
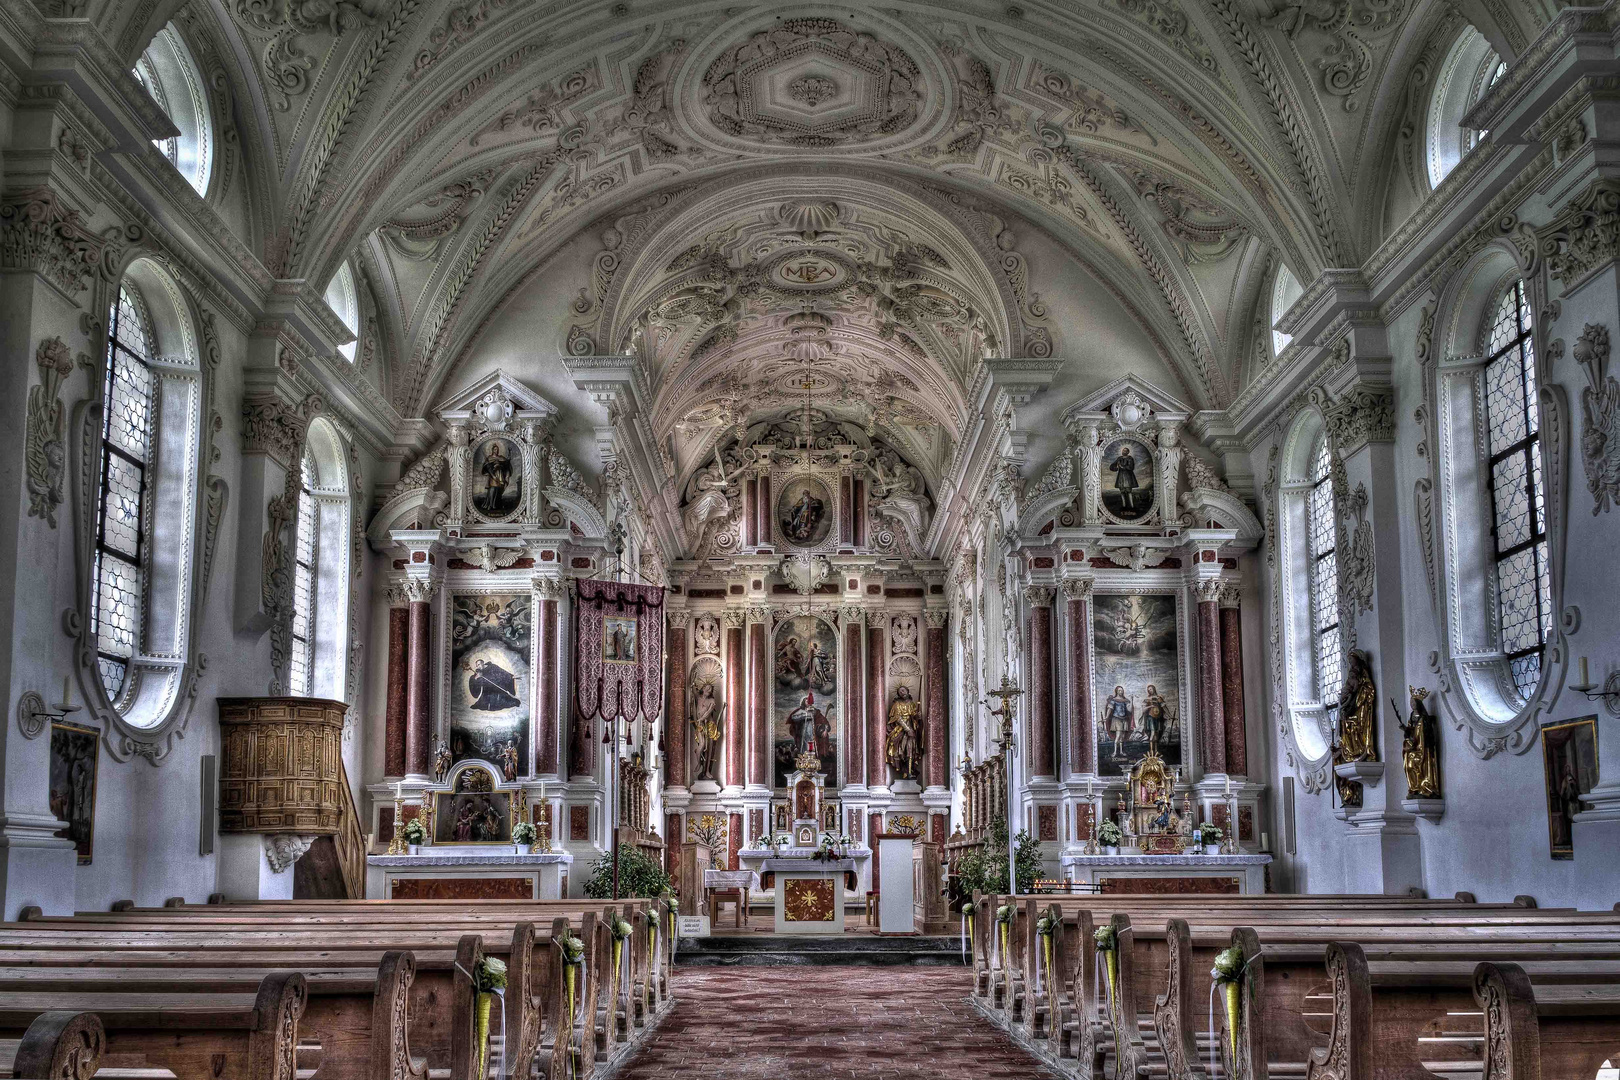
344 301
1518 499
170 75
1285 291
1326 652
303 630
1470 69
121 504
141 447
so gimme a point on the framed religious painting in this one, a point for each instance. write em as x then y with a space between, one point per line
1570 764
619 640
490 639
72 790
1136 638
804 512
805 697
495 478
1128 487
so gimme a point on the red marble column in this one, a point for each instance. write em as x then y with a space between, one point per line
1237 754
675 727
846 509
876 710
874 826
860 512
736 691
1082 712
418 721
1210 705
398 675
937 756
734 840
545 680
765 509
750 512
759 721
1042 761
854 746
674 836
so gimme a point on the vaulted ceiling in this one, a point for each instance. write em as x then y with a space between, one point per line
761 202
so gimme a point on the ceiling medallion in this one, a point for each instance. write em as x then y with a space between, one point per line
813 83
813 272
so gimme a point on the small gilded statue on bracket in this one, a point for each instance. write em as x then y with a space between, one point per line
1358 720
904 746
1420 748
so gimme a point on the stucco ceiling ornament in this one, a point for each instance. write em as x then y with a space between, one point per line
1130 411
812 83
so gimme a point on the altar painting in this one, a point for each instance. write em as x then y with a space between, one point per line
496 481
489 680
804 511
1127 478
1137 681
472 818
806 695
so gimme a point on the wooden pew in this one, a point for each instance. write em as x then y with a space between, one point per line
195 1036
1544 1029
58 1044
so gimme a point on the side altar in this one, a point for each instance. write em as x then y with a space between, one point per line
468 836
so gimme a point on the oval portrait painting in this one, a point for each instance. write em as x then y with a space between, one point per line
495 480
804 512
1127 478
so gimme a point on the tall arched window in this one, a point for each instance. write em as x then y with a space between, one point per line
1285 291
1518 500
121 504
170 75
344 301
303 630
1470 69
1326 652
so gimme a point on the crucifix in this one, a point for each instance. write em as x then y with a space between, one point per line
1008 694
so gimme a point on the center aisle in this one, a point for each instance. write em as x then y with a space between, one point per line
766 1023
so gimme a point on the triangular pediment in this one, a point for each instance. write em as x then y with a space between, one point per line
1100 403
526 404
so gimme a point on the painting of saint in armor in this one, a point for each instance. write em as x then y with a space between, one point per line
495 485
806 696
1136 656
1569 758
804 512
1127 478
489 680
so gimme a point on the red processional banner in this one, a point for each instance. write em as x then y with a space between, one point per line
618 649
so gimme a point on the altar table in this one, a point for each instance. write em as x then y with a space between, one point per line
809 894
451 873
1186 874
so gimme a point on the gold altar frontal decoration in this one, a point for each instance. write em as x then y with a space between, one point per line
807 900
1159 827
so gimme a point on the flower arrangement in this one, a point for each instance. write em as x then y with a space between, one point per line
1108 944
573 952
414 831
621 929
1004 918
524 833
1209 833
1228 974
1106 939
489 976
1045 927
826 852
1109 834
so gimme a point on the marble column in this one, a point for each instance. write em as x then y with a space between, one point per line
854 739
675 726
759 697
750 512
546 756
937 757
1042 760
736 691
765 509
418 719
673 839
734 838
398 677
877 629
1082 710
1211 713
1237 755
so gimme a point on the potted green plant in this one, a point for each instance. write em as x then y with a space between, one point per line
1210 835
523 836
1110 837
415 834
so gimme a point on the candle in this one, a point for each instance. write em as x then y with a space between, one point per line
68 701
399 790
1228 787
1265 841
1585 680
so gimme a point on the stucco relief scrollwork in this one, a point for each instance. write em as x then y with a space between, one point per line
1171 23
1356 579
1600 418
45 452
40 232
1584 236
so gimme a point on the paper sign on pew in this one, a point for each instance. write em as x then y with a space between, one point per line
692 925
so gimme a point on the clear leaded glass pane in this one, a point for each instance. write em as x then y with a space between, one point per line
129 406
1329 658
118 604
1504 395
1517 587
304 588
1526 673
1324 571
1324 591
121 514
1512 502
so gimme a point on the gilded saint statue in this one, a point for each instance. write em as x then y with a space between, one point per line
1420 748
903 749
706 729
1358 718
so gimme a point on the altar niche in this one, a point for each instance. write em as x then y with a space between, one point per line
489 680
1140 707
806 696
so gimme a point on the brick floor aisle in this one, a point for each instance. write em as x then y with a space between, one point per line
853 1023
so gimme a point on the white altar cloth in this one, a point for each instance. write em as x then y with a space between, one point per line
1248 871
449 863
809 894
